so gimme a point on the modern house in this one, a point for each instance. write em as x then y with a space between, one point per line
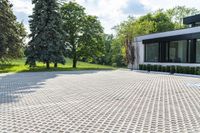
179 47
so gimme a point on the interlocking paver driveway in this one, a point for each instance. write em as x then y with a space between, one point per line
99 101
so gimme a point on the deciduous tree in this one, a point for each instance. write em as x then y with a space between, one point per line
177 14
84 32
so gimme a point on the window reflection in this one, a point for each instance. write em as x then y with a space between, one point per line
152 51
178 51
198 51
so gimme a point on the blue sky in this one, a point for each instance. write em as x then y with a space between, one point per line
110 12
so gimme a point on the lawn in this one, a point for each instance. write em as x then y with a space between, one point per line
19 66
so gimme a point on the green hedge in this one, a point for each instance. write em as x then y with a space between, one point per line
170 69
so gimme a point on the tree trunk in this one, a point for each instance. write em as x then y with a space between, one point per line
74 56
47 65
74 62
55 65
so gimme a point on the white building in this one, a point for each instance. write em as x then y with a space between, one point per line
179 47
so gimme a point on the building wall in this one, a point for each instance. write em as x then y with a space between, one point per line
139 58
139 46
139 55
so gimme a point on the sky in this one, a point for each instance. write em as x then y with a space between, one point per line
109 12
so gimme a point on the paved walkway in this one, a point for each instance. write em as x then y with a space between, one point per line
93 101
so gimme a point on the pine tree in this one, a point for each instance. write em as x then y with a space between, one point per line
46 44
12 33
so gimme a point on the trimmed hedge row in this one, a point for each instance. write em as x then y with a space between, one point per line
171 69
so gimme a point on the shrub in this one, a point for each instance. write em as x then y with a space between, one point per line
144 67
140 67
184 69
172 69
192 70
179 69
197 70
154 67
159 68
168 69
187 70
163 68
148 67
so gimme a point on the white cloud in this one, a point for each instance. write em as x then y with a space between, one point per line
112 12
109 11
24 6
166 4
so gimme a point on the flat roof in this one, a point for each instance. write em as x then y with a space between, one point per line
168 34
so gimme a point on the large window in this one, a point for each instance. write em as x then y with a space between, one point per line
183 51
152 52
178 51
198 51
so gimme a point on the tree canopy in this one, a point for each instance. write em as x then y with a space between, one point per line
177 14
12 33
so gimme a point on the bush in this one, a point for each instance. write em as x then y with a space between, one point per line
154 67
197 71
163 69
145 67
172 69
179 69
192 70
184 69
159 68
168 69
140 67
148 67
187 70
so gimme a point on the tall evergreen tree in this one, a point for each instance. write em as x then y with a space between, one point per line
12 33
46 44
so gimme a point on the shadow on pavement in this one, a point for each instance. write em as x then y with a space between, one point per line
13 85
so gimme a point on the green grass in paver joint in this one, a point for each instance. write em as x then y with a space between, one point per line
19 66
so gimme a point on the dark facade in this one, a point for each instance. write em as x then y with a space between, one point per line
183 48
192 21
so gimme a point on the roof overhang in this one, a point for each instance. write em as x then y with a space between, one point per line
173 38
190 33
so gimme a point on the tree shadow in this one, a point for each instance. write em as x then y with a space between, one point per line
14 85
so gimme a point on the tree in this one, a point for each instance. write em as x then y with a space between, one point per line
127 30
177 14
153 22
83 31
47 43
131 54
118 53
125 33
106 57
12 33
